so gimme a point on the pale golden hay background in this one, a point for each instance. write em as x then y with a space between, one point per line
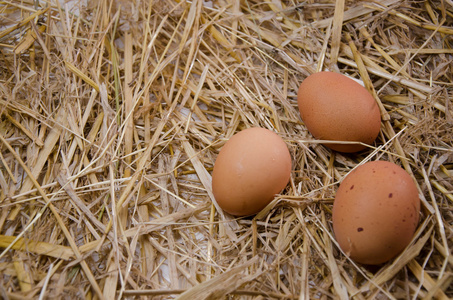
113 112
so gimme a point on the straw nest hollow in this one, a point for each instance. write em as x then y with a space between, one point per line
113 113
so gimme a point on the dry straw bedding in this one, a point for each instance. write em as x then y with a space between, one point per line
113 113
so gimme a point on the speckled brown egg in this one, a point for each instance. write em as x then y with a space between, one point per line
252 167
375 212
337 108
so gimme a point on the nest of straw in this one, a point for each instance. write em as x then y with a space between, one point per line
113 113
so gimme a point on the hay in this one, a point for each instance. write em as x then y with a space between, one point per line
112 115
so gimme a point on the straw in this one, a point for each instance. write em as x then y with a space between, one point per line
112 115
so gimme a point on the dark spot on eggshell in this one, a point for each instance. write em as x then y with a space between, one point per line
352 187
404 220
390 195
360 229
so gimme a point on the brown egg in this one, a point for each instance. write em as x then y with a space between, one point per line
336 108
250 169
376 212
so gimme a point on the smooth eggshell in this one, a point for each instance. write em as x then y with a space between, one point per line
251 168
375 212
336 108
